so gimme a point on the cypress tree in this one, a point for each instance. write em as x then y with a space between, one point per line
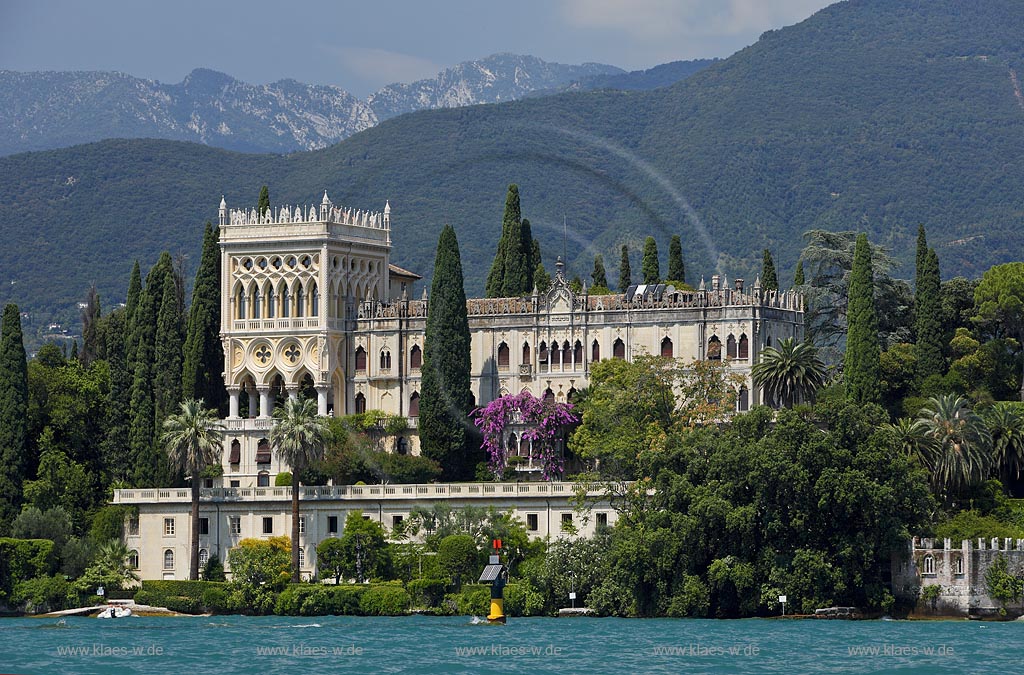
530 247
92 340
928 324
769 279
13 416
203 370
74 351
167 367
798 278
131 307
861 361
649 265
512 219
263 205
516 257
445 395
921 258
118 420
676 267
598 275
143 426
624 272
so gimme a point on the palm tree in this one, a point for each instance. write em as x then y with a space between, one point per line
789 373
963 444
192 439
113 557
1005 422
911 438
298 438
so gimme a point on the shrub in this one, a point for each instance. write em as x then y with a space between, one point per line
384 601
345 599
283 479
522 599
426 592
215 600
472 599
43 594
24 559
458 558
187 597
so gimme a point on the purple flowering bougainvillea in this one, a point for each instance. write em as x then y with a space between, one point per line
543 423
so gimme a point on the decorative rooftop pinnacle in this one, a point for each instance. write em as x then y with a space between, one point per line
387 206
223 203
325 201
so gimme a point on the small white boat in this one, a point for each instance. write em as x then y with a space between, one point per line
113 612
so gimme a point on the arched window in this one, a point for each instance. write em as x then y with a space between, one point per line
595 352
524 447
414 404
263 479
526 353
730 346
743 400
549 396
566 354
415 358
503 356
360 403
257 303
929 564
286 301
714 349
240 302
133 559
302 557
385 359
744 350
300 301
263 451
314 297
618 349
235 455
542 356
572 395
577 354
168 559
666 348
268 297
360 360
958 565
204 557
511 444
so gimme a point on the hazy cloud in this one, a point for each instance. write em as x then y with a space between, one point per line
381 65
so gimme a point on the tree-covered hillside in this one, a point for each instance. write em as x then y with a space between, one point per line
870 115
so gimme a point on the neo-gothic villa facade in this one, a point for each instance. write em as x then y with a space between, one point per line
311 302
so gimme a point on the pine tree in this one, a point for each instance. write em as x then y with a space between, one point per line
116 455
928 324
798 278
203 369
676 267
769 279
92 340
263 205
625 280
445 395
598 275
649 265
13 416
861 361
167 352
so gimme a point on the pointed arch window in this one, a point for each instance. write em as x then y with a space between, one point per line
526 353
618 349
744 350
566 354
542 356
414 404
268 296
577 354
257 303
286 301
360 360
666 348
549 396
415 358
730 346
595 352
360 404
929 564
300 301
714 349
503 356
385 359
743 400
240 302
314 298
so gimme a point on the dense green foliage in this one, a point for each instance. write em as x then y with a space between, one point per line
798 276
625 273
676 267
513 268
769 278
598 276
649 265
203 365
928 320
446 399
13 415
861 362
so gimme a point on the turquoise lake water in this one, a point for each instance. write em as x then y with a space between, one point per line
272 645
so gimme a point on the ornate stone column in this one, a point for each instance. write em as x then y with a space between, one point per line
265 403
321 400
233 393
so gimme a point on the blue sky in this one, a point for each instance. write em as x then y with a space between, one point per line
362 46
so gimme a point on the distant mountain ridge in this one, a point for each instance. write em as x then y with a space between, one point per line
48 110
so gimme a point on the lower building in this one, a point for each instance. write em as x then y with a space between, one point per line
159 536
945 580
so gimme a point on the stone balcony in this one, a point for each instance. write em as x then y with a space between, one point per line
430 491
